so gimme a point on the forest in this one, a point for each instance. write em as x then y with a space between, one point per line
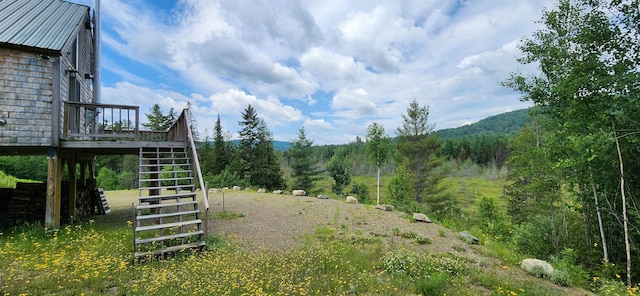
571 161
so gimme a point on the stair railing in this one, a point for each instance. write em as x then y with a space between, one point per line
196 162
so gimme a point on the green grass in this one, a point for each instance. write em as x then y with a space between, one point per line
8 181
95 258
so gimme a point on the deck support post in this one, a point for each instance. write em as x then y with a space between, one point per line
54 190
73 188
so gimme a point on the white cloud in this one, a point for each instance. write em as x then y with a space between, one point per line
334 66
354 100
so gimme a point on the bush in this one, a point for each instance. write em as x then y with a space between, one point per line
530 238
404 262
361 191
226 178
435 284
560 277
492 219
422 240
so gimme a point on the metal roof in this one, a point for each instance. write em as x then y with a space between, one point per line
38 24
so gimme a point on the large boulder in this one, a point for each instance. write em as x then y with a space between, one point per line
420 217
299 193
470 239
262 190
236 188
352 200
537 267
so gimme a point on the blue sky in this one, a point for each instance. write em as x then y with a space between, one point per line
333 67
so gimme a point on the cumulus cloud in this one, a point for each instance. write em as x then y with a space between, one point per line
332 66
355 100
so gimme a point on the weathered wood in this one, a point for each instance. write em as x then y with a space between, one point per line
50 215
73 192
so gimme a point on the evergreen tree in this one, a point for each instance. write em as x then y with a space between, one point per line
157 121
221 157
340 170
418 151
301 152
265 168
248 140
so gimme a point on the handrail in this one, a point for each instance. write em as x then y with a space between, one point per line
196 162
99 121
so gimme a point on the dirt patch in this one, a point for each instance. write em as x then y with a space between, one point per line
265 221
278 222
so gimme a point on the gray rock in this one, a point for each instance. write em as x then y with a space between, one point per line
262 190
299 193
470 239
277 192
420 217
388 208
537 267
236 188
352 200
322 196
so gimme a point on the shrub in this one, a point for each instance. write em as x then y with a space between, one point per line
409 234
361 191
560 277
421 239
404 262
435 284
530 238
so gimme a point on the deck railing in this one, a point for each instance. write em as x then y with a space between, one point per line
91 121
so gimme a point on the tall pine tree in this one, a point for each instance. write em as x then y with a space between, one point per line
418 151
304 174
248 140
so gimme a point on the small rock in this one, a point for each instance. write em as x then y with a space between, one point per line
247 189
537 267
262 190
420 217
299 193
322 196
470 239
388 208
236 188
352 200
225 188
215 190
277 192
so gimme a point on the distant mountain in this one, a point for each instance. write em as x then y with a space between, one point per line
505 124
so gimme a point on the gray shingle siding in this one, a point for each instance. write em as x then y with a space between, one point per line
27 90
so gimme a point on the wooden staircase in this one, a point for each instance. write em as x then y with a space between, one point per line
167 214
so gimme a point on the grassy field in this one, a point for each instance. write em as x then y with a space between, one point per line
95 258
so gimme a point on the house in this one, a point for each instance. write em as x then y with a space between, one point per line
49 106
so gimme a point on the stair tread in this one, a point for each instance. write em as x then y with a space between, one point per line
168 225
167 196
168 237
168 187
171 249
173 204
164 215
165 179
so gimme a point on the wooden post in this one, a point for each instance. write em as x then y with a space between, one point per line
83 168
73 190
54 180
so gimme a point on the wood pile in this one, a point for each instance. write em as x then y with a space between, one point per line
5 196
27 203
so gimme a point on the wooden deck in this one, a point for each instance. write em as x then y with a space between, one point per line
105 129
